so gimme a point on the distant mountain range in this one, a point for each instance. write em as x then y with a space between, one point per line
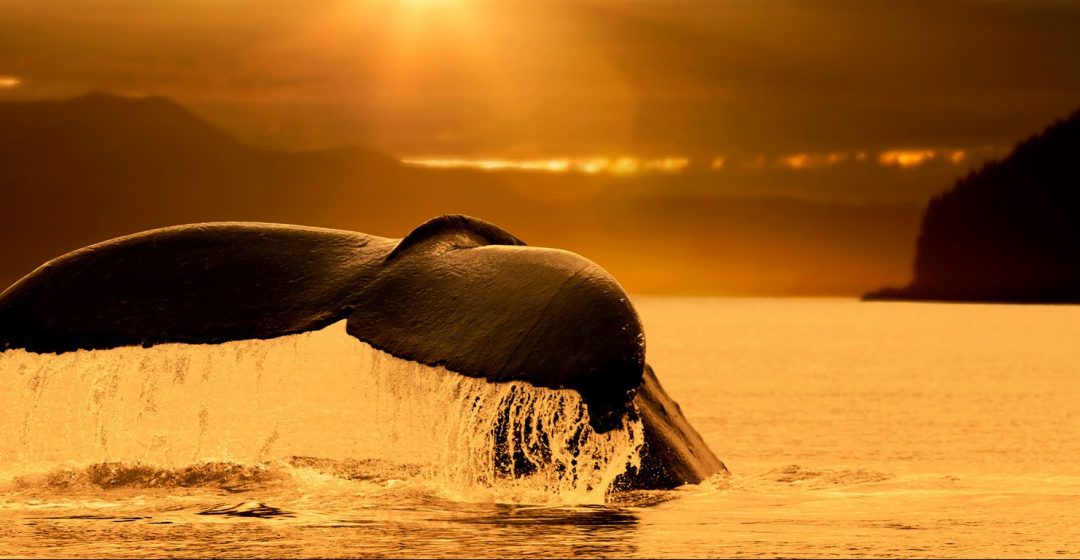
1009 232
78 171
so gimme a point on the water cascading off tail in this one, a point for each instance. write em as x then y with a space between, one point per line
321 394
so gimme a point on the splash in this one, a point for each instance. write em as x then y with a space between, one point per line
309 399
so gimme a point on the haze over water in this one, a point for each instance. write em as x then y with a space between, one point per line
851 429
883 429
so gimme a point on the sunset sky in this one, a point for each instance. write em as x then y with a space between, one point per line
861 89
705 146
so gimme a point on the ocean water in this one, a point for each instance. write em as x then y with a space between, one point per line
851 429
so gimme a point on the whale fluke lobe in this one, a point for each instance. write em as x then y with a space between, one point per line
455 292
203 283
674 453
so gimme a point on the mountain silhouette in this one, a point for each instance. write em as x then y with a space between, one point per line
81 170
104 122
1008 232
78 171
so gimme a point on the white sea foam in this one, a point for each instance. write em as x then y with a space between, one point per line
321 394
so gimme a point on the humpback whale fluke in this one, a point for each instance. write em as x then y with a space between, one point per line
455 292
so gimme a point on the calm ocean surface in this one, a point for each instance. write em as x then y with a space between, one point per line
851 429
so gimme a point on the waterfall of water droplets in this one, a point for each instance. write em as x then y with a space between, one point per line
321 394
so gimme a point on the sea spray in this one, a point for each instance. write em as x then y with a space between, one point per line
321 395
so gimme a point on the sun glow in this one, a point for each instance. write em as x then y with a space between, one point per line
421 37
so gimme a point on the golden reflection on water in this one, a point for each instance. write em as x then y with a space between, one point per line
851 429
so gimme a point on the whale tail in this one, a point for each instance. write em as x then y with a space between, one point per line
455 292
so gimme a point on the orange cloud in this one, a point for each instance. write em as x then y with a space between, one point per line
590 166
808 161
906 158
797 161
630 165
667 165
